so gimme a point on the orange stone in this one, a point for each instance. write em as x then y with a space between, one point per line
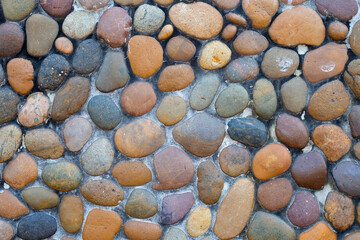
20 75
176 77
319 231
250 43
131 174
236 19
64 45
260 12
166 32
136 230
180 48
11 207
71 213
229 32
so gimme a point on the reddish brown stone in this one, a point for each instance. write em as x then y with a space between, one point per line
236 19
64 45
180 49
343 10
102 192
229 32
250 43
6 231
291 131
11 39
10 206
71 213
136 230
175 207
304 211
234 160
138 99
320 231
337 31
176 77
20 75
57 8
131 173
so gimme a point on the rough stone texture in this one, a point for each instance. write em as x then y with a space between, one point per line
304 211
343 10
56 9
79 24
104 112
291 131
347 178
11 207
136 230
214 55
234 160
71 213
264 99
231 101
294 94
293 2
260 12
93 5
320 231
102 192
131 174
20 73
242 69
17 10
44 143
175 77
199 221
8 105
180 49
76 133
141 204
40 198
36 226
87 57
204 92
11 39
175 207
148 19
10 141
171 110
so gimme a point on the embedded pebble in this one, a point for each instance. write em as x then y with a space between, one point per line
234 160
341 9
337 31
204 92
226 4
199 221
236 19
87 57
64 45
354 121
176 77
353 236
76 133
56 10
20 73
79 24
148 19
40 198
8 104
166 32
347 178
231 101
136 230
264 99
17 10
175 233
294 94
175 207
131 174
141 204
352 78
356 149
293 2
304 211
10 141
180 49
229 32
171 110
260 12
320 231
44 143
104 112
93 5
214 55
16 34
11 207
242 69
6 230
102 192
355 33
164 3
71 213
36 226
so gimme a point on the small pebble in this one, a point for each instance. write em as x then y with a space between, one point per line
175 233
164 3
354 121
294 95
36 226
337 31
64 45
175 207
353 236
44 143
141 204
166 32
199 222
40 198
131 174
10 141
104 112
148 19
129 2
175 78
234 160
293 2
356 149
71 213
226 4
76 133
9 101
79 24
93 5
355 33
236 19
304 211
171 110
242 69
214 55
180 49
20 73
229 32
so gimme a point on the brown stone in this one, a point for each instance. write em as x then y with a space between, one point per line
337 31
11 39
234 160
10 141
291 131
56 8
71 213
298 25
356 149
136 230
320 231
172 109
93 5
20 75
260 12
35 111
226 4
250 43
139 138
164 3
329 102
229 32
293 2
10 206
138 99
6 231
304 210
129 2
353 236
354 38
180 49
176 77
174 169
358 213
199 221
343 10
40 198
64 45
354 121
339 210
166 32
131 174
236 19
44 143
275 194
271 161
21 171
76 133
101 224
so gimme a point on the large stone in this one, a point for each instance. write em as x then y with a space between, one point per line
88 57
44 143
102 192
343 10
104 112
9 101
40 198
11 39
260 12
294 94
11 207
131 174
175 77
76 133
56 9
141 204
136 230
231 101
37 226
204 92
71 213
175 207
148 19
17 10
264 99
304 211
347 178
291 131
10 141
79 24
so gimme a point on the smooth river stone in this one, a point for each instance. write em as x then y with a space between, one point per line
248 131
20 73
264 99
356 149
166 32
175 207
250 43
98 158
304 211
214 55
88 57
35 111
61 176
131 174
176 77
79 24
139 138
174 233
113 73
41 32
148 19
174 169
8 105
231 101
269 226
199 221
21 171
294 94
354 38
6 231
141 204
229 32
310 171
36 226
260 12
199 20
235 210
71 213
64 45
10 206
271 161
10 141
40 198
102 192
93 5
11 40
201 135
298 25
343 10
242 69
234 160
320 231
291 131
136 230
204 91
17 10
226 4
180 49
70 98
76 133
55 8
171 110
104 112
44 143
210 183
347 178
332 141
275 194
337 31
354 121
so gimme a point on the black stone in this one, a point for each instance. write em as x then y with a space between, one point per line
8 105
87 57
104 112
347 178
36 226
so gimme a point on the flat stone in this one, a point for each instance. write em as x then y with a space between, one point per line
114 27
56 9
102 192
337 31
298 25
264 99
17 10
20 171
199 20
204 91
113 73
98 158
61 176
64 45
248 131
234 160
174 169
320 231
231 101
329 102
356 149
104 112
175 207
6 230
20 73
76 133
353 236
131 143
275 194
8 105
131 174
70 98
271 161
347 178
229 32
226 4
214 55
44 143
10 141
166 32
36 226
180 48
11 39
235 210
343 10
41 32
260 12
236 19
175 233
291 131
141 204
354 121
171 110
136 230
355 33
138 99
79 24
101 224
35 111
175 77
88 57
71 213
93 5
11 207
148 19
242 69
332 141
40 198
250 43
201 134
269 226
304 211
199 222
294 94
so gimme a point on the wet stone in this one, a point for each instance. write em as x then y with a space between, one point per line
141 204
264 99
87 57
199 221
10 141
8 105
166 32
148 19
231 101
64 45
79 24
71 213
175 77
180 49
347 178
44 143
104 112
229 32
136 230
11 39
17 10
275 194
354 121
20 73
131 174
250 43
214 55
11 207
40 198
234 160
175 207
242 69
53 71
343 10
35 111
294 94
55 9
204 92
291 131
337 31
320 231
260 13
304 211
175 233
6 230
36 226
76 133
93 5
172 109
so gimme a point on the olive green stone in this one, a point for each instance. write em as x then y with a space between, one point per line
231 101
17 10
204 92
265 100
40 198
141 204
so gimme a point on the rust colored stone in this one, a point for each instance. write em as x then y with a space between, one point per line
229 32
10 206
320 231
102 192
71 213
260 12
136 230
131 174
57 8
20 75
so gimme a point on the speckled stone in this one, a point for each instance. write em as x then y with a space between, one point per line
148 19
204 91
231 101
10 141
11 207
141 204
291 131
234 160
304 211
55 9
337 31
199 221
17 10
214 55
104 112
64 45
264 99
242 69
8 105
166 32
35 111
347 178
93 5
136 230
11 39
175 77
131 174
87 57
343 10
44 143
171 110
294 94
102 192
260 12
20 73
53 71
320 231
79 24
40 198
174 233
7 231
175 207
76 133
180 48
36 226
71 213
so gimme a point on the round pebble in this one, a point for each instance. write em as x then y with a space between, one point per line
231 101
166 32
353 236
79 24
56 10
214 55
131 174
40 198
10 141
11 39
204 91
141 204
20 73
337 31
76 133
71 213
35 111
37 226
87 57
304 211
180 49
175 207
148 19
175 78
234 160
104 112
242 69
294 94
164 3
320 231
264 99
102 192
136 230
44 143
226 4
172 109
64 45
199 222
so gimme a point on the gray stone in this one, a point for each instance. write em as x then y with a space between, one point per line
79 24
148 19
204 92
265 100
242 69
231 101
294 95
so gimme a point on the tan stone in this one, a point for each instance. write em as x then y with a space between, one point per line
180 48
199 222
236 19
250 43
6 231
214 55
35 111
337 31
164 3
136 230
11 207
131 173
166 32
229 32
64 45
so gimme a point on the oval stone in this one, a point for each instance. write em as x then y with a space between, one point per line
260 12
355 33
20 73
354 121
11 39
35 111
242 69
175 207
347 178
234 160
171 110
36 226
61 176
229 32
320 231
8 105
79 24
265 99
6 230
214 55
166 32
17 10
76 133
141 204
304 211
56 10
71 213
10 206
102 192
174 233
88 57
199 222
176 77
136 230
204 91
10 141
104 112
231 101
250 43
131 174
64 45
343 10
180 49
44 143
40 198
294 94
337 31
148 19
291 131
